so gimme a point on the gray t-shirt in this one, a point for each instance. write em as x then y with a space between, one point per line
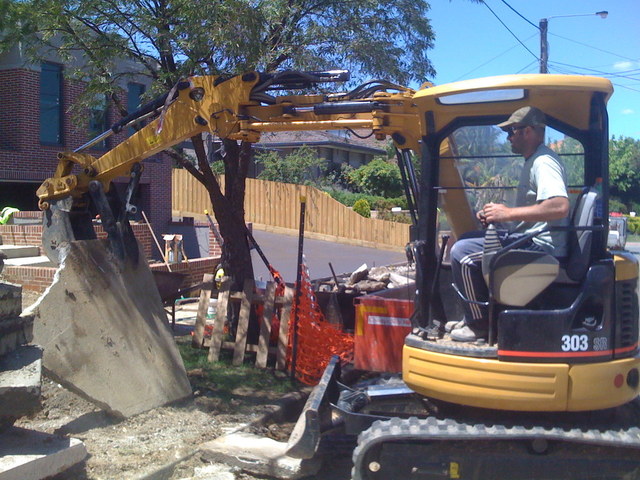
543 176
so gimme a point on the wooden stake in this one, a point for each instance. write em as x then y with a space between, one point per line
283 338
203 306
221 317
155 239
243 323
296 300
265 326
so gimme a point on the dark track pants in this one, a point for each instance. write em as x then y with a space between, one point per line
466 268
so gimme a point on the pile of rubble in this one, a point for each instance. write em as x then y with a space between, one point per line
365 280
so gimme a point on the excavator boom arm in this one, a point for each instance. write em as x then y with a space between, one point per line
225 107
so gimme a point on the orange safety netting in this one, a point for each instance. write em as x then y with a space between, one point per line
317 340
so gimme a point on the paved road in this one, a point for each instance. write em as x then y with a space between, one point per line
282 253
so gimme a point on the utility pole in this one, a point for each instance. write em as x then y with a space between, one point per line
544 46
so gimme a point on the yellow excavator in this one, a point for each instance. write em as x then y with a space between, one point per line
553 391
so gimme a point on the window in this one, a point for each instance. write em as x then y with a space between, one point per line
491 171
482 96
134 95
51 104
98 121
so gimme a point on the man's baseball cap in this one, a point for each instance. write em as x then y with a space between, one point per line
525 117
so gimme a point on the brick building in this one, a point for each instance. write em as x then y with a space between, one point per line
36 124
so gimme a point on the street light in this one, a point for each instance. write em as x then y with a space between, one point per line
544 45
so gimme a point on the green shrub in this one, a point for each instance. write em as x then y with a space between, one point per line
362 207
634 225
616 205
400 201
377 203
378 177
395 217
349 198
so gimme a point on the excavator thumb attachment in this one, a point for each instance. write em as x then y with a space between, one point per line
305 437
70 219
63 222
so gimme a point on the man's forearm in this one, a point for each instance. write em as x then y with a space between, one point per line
550 209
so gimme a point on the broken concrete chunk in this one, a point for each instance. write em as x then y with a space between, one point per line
20 382
15 332
379 274
29 455
399 280
259 455
368 286
359 274
10 300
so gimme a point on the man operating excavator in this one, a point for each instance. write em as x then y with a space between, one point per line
541 202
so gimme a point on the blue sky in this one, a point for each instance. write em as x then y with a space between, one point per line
471 42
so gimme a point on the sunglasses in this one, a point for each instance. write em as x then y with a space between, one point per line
512 130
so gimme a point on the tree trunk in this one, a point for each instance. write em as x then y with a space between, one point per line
236 254
228 208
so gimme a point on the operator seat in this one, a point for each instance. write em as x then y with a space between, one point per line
515 277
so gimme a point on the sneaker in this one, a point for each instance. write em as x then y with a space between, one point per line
454 324
468 334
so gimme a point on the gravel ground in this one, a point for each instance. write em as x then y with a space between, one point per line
145 444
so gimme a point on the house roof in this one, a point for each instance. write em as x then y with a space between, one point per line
322 138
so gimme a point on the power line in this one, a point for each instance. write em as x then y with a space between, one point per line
599 72
568 71
595 48
565 38
520 15
527 66
626 86
607 74
509 30
490 60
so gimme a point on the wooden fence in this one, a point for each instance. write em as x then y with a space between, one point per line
275 207
272 305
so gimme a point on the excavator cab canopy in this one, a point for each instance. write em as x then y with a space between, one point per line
566 99
467 160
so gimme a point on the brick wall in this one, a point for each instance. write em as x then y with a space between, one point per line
194 269
21 235
39 278
16 234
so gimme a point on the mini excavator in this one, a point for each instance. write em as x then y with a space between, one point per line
553 391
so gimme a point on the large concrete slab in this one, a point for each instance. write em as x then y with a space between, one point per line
260 455
30 455
104 333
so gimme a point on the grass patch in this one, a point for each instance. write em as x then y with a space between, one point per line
228 381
